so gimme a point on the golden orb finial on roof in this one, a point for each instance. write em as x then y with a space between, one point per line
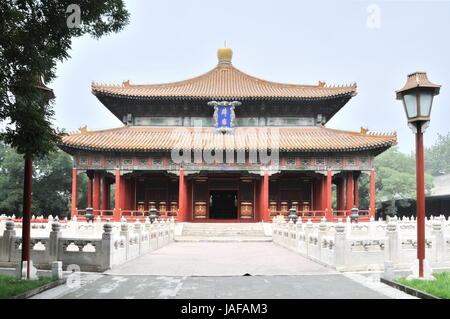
224 55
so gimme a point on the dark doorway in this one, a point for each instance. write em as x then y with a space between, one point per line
223 205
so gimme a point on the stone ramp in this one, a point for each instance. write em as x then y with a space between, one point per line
221 259
223 232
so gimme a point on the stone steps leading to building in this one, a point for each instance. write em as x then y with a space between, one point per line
222 239
223 232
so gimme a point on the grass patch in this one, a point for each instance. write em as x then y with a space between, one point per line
439 287
10 286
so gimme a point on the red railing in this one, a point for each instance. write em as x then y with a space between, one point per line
363 215
39 221
317 215
314 215
130 215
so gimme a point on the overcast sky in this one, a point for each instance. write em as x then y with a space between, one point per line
338 42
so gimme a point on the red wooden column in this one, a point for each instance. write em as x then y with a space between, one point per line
74 192
349 191
323 193
182 198
317 187
356 190
265 198
89 190
117 207
108 195
26 219
340 194
105 193
372 194
329 196
96 197
133 193
258 192
123 193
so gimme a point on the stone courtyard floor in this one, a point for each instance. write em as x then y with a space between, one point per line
224 270
221 259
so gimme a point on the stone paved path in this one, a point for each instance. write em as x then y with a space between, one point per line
221 259
216 270
249 287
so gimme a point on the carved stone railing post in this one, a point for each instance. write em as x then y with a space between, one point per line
107 246
299 231
393 242
162 232
284 229
309 229
438 245
53 244
3 220
322 231
138 232
156 232
153 237
172 228
6 241
339 245
291 230
98 224
147 224
126 235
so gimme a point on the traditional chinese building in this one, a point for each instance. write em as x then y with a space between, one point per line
224 146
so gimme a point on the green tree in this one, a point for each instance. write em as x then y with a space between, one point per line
52 184
52 187
395 180
34 36
437 157
11 181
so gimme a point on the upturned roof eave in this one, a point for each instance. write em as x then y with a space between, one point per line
99 93
379 148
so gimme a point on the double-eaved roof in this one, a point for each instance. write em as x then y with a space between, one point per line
302 139
224 82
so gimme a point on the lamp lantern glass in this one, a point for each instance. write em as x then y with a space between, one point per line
417 96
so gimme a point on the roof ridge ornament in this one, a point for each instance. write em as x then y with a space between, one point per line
224 115
225 55
83 129
364 130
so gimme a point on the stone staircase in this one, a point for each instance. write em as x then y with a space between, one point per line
223 232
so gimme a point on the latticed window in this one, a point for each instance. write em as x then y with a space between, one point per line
305 161
83 160
351 161
157 160
290 160
320 161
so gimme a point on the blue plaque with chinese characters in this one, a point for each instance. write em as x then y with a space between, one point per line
224 116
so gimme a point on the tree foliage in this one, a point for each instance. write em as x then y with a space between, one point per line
52 183
395 180
437 157
34 36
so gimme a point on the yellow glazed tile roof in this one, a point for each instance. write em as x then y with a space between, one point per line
306 139
224 82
